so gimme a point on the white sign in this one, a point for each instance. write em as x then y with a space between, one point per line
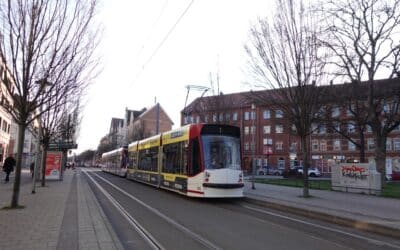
356 177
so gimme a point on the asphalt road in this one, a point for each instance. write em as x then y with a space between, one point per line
145 217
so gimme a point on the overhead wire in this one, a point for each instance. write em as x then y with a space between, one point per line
152 29
162 42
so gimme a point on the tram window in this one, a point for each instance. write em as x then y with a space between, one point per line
175 158
221 152
194 157
148 159
132 160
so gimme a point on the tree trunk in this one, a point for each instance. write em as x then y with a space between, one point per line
304 147
362 148
17 180
380 157
44 156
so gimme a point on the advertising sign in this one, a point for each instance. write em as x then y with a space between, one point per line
53 165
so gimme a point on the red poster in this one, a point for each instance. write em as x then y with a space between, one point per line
53 165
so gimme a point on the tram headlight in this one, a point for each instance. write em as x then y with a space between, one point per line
207 176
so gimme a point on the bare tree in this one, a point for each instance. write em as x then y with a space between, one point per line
285 56
56 122
105 145
45 41
348 97
212 109
363 36
138 131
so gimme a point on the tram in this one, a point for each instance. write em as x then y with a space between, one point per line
115 161
197 160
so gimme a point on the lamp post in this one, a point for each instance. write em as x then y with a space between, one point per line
253 162
43 84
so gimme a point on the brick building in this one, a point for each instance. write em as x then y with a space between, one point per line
265 129
139 124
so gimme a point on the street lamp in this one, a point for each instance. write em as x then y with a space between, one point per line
253 162
42 88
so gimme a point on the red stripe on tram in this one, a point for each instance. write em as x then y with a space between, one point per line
194 191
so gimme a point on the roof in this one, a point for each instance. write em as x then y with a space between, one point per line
161 110
330 93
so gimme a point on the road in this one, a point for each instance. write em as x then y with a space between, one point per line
145 217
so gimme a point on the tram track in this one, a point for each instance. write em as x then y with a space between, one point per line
149 238
185 217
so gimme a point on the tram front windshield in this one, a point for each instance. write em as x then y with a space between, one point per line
221 152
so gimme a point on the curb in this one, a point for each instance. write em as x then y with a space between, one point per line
339 220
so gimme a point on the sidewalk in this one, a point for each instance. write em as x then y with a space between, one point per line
63 215
365 212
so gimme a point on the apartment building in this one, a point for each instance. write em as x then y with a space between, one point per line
270 139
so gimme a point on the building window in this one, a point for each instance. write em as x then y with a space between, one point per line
335 111
279 129
221 117
267 129
386 108
266 114
246 130
253 129
314 128
396 144
267 141
279 145
389 144
293 147
351 146
246 146
278 113
351 128
350 111
252 145
371 144
235 116
294 129
246 116
214 118
227 117
322 129
198 119
281 163
336 145
322 145
185 120
253 115
369 129
336 127
314 145
206 119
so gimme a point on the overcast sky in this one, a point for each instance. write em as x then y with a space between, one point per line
209 36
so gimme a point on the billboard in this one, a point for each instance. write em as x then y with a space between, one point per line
53 165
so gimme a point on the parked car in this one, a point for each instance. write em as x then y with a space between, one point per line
269 170
312 172
275 171
395 176
262 171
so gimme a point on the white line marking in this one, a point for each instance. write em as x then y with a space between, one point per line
376 242
195 236
153 243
